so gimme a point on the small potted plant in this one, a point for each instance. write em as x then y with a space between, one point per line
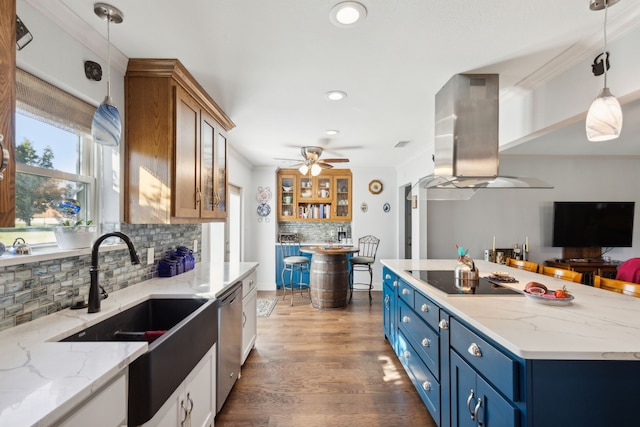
76 234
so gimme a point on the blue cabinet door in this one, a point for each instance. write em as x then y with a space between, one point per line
474 402
389 313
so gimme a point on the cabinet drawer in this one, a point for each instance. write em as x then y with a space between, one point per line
390 278
406 292
427 309
494 365
423 338
427 385
249 284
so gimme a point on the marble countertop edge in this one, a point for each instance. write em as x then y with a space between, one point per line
42 379
597 325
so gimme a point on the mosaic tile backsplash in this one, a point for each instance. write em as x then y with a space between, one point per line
314 232
32 290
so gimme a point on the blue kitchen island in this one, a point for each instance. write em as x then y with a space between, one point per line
497 360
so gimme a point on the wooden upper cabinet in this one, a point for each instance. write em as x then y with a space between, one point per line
175 146
7 110
326 197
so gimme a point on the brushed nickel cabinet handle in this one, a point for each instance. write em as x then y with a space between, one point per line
476 411
424 308
426 342
426 386
474 350
405 319
443 324
469 399
405 291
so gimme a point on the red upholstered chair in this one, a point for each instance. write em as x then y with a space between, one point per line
629 271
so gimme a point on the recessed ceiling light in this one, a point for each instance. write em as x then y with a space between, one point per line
332 132
336 95
347 14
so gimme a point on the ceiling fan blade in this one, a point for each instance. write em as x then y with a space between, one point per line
324 165
341 160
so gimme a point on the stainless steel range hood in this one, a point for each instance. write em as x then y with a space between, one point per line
466 139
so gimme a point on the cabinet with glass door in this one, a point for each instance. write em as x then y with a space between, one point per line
325 197
287 186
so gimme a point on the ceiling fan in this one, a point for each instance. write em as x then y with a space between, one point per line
311 161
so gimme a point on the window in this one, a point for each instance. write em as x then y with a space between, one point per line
54 153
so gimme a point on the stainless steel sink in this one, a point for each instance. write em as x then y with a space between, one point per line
191 326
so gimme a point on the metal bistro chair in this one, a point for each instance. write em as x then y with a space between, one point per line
363 261
293 262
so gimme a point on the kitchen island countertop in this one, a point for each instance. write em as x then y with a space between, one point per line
597 325
42 379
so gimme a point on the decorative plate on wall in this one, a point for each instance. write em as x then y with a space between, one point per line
375 187
264 194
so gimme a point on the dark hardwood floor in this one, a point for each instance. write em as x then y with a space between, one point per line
323 368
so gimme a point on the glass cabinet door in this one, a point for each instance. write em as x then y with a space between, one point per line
323 189
220 203
213 169
207 165
306 188
343 196
287 199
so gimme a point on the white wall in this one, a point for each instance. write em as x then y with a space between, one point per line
512 215
375 221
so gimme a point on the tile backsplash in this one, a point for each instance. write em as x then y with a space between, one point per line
314 232
32 290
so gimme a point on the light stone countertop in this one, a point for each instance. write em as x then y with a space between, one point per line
597 325
42 379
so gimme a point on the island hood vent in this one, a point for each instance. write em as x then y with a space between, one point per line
466 140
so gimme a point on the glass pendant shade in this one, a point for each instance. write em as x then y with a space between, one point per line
315 169
303 169
604 119
106 126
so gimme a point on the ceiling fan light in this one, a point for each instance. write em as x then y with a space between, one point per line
315 169
604 119
303 169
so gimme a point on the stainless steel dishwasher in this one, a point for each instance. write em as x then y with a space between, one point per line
229 342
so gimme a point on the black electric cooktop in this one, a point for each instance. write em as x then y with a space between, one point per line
446 282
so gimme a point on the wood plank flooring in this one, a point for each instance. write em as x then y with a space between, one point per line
323 368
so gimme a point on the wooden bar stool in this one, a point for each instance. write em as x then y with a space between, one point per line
522 265
561 273
619 286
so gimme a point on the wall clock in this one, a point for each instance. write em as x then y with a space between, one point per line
375 187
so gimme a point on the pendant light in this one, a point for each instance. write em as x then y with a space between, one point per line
106 126
604 119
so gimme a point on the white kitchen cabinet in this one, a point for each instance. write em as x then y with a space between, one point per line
193 404
249 319
109 406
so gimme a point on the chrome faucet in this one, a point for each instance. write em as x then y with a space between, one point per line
94 295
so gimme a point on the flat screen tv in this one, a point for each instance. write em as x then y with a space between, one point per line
593 224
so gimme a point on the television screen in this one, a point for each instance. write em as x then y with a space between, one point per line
593 224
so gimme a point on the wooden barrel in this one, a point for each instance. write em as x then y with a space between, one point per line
329 280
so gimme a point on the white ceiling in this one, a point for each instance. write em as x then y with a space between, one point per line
268 63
